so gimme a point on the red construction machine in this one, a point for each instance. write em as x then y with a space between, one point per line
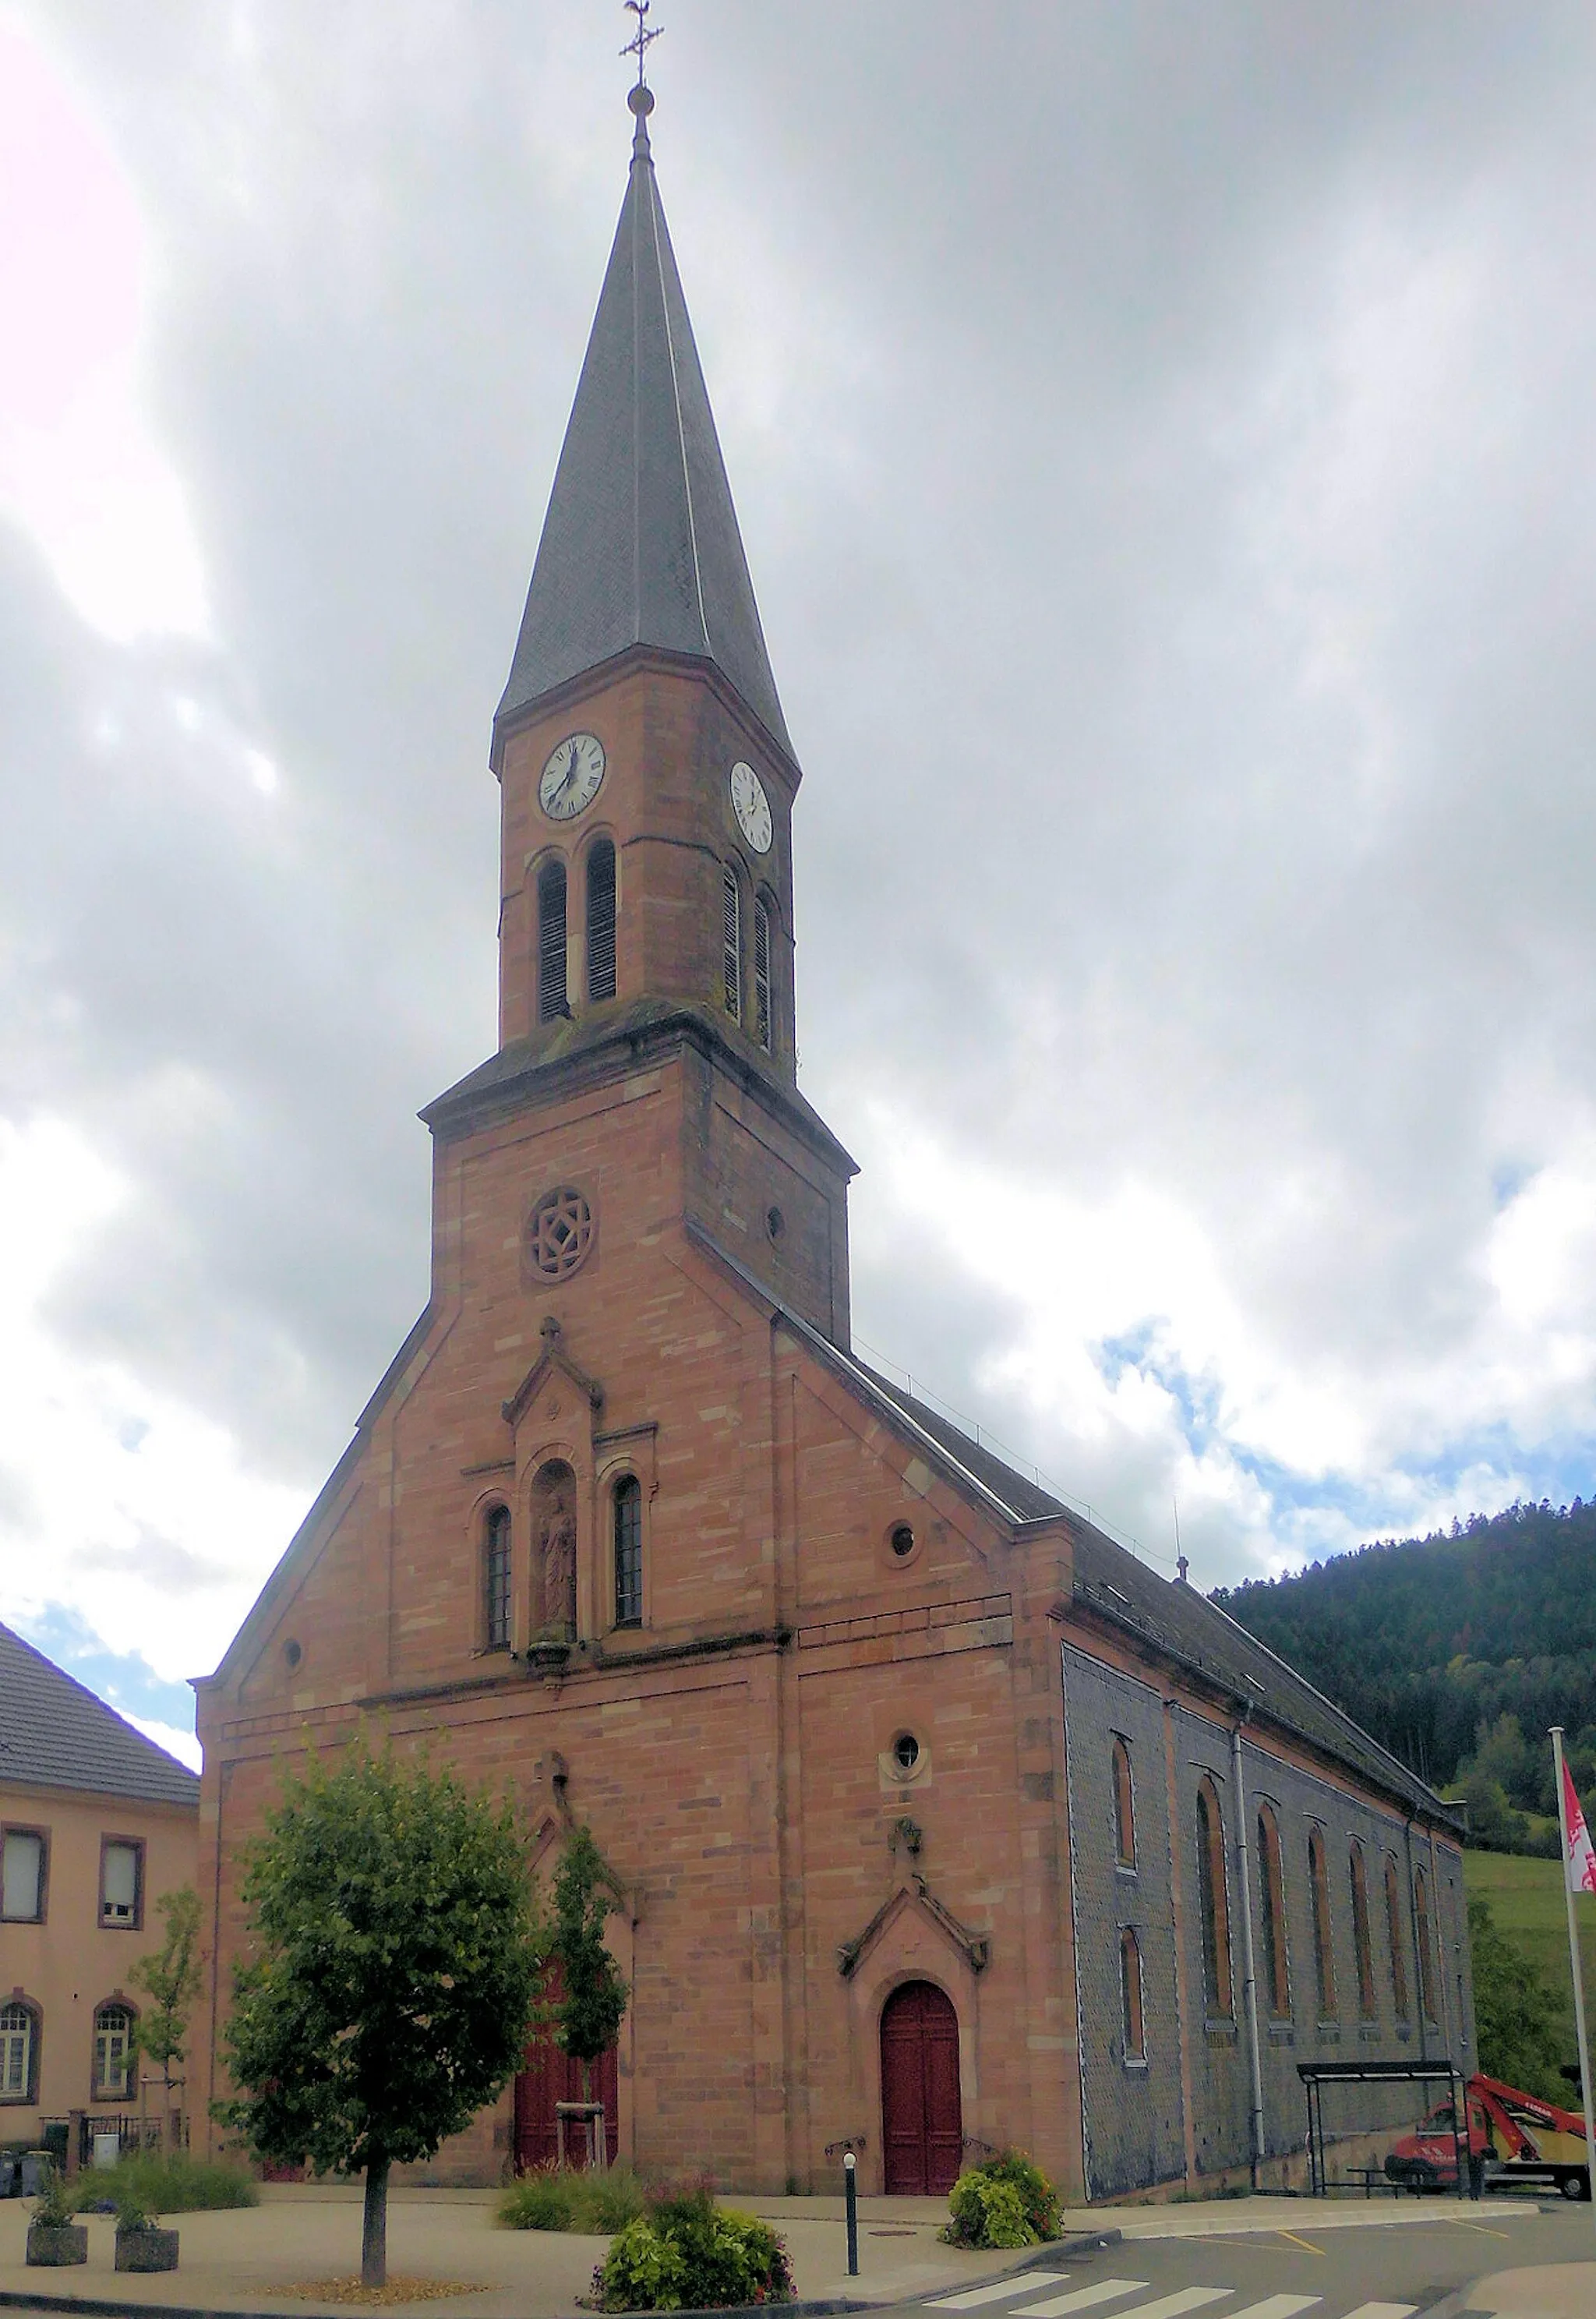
1513 2137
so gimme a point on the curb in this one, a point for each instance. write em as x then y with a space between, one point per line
94 2306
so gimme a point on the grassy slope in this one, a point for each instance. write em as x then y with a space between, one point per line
1526 1899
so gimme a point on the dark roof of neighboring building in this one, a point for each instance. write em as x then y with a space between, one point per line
640 545
55 1734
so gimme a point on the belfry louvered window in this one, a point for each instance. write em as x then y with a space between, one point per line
628 1552
761 975
731 942
551 942
496 1582
602 919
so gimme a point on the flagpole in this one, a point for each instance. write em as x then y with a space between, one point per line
1587 2095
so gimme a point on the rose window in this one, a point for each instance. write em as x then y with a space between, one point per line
559 1233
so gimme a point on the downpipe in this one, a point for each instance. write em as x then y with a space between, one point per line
1255 2064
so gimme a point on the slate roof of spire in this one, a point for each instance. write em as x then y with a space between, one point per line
55 1734
640 545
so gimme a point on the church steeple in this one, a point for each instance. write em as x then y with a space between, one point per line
640 545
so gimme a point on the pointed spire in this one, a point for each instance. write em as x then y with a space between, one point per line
640 545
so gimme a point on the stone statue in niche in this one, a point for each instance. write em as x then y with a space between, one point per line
553 1534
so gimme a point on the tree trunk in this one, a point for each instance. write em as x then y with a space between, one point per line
374 2234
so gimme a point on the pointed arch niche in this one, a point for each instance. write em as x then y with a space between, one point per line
526 2104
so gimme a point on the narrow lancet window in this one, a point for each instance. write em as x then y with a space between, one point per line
1213 1901
1424 1934
1131 2022
762 974
551 942
1363 1946
731 942
628 1553
1395 1939
1324 1951
1124 1806
1272 1908
496 1580
602 919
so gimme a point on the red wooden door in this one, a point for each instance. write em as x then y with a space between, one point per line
922 2118
549 2077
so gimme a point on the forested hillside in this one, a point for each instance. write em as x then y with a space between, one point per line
1456 1651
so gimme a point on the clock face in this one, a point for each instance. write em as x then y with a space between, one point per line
570 780
752 807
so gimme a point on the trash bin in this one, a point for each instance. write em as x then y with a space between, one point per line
11 2176
37 2167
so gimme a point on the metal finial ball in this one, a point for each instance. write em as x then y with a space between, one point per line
641 100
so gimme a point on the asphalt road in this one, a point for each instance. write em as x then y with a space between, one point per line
1387 2272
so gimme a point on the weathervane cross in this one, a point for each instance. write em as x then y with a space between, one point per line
638 45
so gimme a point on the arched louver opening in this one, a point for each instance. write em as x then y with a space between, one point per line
628 1553
551 942
731 942
602 919
1213 1901
1395 1939
496 1581
762 974
1324 1951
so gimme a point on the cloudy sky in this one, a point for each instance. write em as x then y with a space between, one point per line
1163 442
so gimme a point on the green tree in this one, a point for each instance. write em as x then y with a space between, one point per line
394 1962
169 1977
1516 2015
593 2003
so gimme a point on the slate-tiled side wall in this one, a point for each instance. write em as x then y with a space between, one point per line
1132 2109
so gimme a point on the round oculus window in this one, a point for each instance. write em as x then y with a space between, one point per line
905 1750
559 1233
902 1540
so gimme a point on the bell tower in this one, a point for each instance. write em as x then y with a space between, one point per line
647 784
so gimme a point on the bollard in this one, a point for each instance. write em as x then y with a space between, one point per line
848 2166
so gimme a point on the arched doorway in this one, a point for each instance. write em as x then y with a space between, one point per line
549 2076
922 2118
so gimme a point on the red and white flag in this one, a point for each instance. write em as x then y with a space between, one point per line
1581 1857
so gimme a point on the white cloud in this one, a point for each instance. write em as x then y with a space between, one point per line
80 468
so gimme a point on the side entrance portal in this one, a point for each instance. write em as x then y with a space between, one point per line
922 2119
549 2077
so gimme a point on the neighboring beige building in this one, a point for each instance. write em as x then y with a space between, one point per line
96 1822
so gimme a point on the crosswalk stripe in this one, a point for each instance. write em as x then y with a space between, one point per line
1081 2298
1169 2307
1277 2306
972 2299
1380 2310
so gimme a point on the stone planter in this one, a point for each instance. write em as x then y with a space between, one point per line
51 2244
149 2249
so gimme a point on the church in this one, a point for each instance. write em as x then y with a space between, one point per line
943 1823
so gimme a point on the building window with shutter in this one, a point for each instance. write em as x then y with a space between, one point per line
1124 1806
628 1552
22 1854
1214 1902
1395 1939
496 1580
762 974
552 1000
115 2065
731 942
1363 1946
1271 1886
1325 1950
122 1882
602 919
19 2051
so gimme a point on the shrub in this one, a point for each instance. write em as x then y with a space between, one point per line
686 2253
54 2206
548 2201
178 2185
1005 2202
